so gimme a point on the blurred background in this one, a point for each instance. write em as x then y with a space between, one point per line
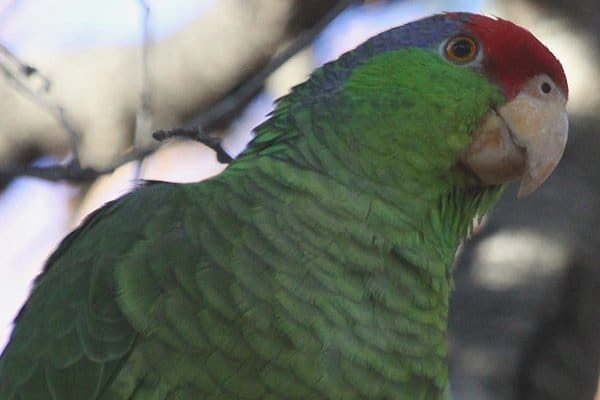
84 84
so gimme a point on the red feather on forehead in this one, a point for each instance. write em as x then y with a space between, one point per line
512 55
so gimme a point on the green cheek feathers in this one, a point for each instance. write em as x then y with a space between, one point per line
413 98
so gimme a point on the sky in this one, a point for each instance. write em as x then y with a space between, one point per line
25 27
34 214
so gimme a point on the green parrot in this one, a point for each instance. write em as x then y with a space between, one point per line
317 265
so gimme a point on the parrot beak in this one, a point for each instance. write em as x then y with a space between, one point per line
524 138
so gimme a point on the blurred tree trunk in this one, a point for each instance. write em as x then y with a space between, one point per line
99 89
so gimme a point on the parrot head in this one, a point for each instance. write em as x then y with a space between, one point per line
526 136
522 135
456 97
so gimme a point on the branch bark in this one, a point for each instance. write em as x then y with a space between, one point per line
196 68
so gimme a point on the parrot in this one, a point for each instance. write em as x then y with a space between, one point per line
318 263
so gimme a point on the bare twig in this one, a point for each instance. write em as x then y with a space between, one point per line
21 70
224 108
198 135
143 117
18 74
198 128
71 172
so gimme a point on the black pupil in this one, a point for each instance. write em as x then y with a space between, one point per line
546 88
462 48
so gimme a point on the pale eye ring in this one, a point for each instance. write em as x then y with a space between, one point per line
461 49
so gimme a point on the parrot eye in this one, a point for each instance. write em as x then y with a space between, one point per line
461 49
546 88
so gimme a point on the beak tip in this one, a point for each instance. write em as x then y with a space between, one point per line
539 124
535 176
524 191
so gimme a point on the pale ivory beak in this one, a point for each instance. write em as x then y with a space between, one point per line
524 138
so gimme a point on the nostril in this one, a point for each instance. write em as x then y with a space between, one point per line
546 88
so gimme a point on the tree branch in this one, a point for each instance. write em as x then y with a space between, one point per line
143 116
198 128
72 171
19 74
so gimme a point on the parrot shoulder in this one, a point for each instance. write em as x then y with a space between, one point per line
73 324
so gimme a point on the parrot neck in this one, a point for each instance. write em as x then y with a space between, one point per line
410 294
375 270
366 167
